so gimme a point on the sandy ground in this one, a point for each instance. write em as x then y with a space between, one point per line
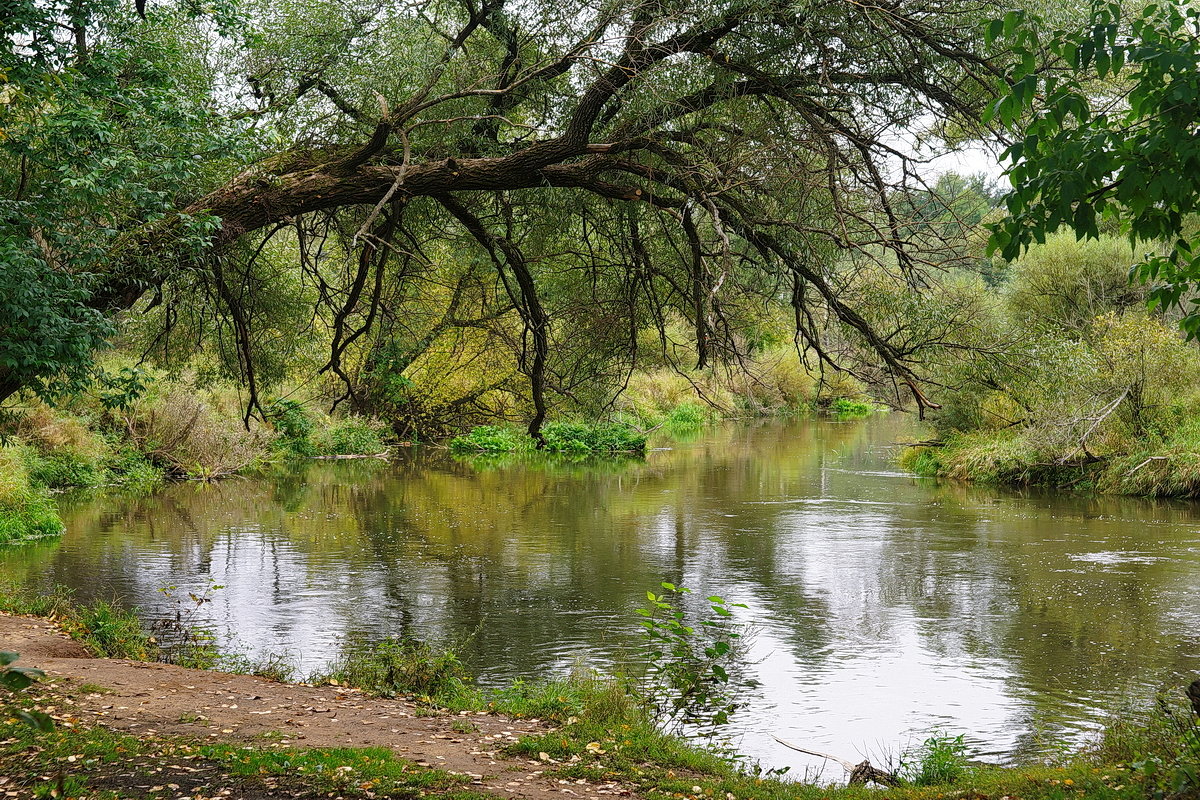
163 699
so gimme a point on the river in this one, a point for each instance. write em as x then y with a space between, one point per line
884 607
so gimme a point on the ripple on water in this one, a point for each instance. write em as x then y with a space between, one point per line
1113 558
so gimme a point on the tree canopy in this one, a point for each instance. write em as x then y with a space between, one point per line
585 169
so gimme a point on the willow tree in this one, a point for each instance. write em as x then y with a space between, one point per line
693 157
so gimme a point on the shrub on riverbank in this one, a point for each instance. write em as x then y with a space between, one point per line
26 511
305 432
171 427
1081 387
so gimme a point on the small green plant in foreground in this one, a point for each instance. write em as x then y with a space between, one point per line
16 679
939 760
686 679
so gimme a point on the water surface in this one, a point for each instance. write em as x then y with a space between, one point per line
885 606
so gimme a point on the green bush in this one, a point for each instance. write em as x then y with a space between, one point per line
575 438
600 437
26 511
491 439
131 470
293 428
63 470
847 407
351 436
1066 283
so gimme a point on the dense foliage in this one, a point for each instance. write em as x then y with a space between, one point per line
546 195
105 125
1108 133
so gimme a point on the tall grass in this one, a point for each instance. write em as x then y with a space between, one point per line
107 629
26 511
394 667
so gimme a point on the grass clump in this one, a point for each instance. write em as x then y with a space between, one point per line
351 436
26 511
492 439
940 760
109 631
395 667
848 407
105 628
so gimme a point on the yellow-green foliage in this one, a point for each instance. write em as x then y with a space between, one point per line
1080 386
25 512
347 436
60 450
1117 412
1068 283
772 382
652 395
465 376
190 431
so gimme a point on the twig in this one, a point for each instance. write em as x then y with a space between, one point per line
1105 413
400 174
848 765
1147 461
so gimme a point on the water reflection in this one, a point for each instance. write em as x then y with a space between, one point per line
886 605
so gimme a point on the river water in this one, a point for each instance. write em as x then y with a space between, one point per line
884 606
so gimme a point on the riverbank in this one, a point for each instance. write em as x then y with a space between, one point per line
1167 467
170 428
134 729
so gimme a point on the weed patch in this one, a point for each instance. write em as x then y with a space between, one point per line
399 667
560 437
26 511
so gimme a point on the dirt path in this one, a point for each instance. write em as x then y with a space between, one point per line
145 698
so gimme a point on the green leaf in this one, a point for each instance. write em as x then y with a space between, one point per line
995 30
37 720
